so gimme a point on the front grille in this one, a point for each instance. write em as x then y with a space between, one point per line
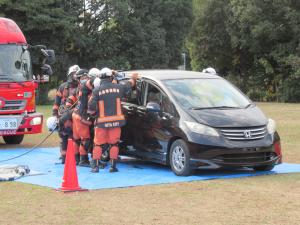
244 134
12 102
13 105
255 157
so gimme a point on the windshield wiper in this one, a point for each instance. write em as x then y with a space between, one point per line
247 106
7 78
215 107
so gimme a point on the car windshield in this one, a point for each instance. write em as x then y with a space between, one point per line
203 93
15 63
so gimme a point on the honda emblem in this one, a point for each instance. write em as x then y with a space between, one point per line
247 134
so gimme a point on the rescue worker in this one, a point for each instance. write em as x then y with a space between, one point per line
64 99
105 107
81 124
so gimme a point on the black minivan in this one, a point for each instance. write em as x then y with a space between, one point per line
191 120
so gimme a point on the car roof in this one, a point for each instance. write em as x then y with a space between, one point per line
171 74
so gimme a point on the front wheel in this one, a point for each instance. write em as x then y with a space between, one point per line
11 140
180 158
263 168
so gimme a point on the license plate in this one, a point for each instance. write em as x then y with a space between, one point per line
8 124
8 132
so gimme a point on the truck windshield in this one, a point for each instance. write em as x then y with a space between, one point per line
15 63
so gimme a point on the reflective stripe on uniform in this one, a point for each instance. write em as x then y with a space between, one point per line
118 102
110 118
73 98
103 119
101 109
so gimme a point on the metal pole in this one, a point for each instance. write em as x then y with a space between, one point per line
184 60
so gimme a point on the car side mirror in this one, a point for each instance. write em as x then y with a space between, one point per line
41 55
153 107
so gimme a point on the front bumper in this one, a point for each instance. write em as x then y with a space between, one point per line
236 154
25 124
236 158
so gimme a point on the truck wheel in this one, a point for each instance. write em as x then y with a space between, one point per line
263 168
180 158
16 139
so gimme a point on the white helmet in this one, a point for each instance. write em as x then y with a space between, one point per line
97 82
106 72
94 72
209 70
73 69
52 123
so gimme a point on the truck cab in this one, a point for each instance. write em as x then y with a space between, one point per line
18 114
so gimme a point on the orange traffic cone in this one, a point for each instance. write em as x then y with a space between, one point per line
70 179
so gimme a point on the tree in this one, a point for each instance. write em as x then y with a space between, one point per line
255 43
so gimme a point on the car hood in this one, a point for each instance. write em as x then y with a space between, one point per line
248 117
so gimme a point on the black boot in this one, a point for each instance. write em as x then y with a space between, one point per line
84 161
113 167
77 158
95 166
102 165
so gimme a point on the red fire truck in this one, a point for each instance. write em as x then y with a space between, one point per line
18 114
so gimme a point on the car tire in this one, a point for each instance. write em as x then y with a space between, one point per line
12 140
263 168
179 158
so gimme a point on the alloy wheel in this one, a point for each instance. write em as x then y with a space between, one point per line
178 158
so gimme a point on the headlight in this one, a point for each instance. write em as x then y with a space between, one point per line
271 126
36 121
201 129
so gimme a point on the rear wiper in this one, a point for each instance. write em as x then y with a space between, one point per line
215 107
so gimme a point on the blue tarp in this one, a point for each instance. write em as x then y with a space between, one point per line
131 173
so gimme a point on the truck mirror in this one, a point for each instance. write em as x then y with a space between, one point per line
49 55
43 74
18 64
46 70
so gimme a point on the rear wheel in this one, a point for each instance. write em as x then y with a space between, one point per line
263 168
11 140
180 158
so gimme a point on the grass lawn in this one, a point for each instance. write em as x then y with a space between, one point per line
257 200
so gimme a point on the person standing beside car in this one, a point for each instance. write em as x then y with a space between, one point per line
81 125
64 99
105 107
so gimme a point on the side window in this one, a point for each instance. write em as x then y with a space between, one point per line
156 95
153 94
167 106
132 97
136 95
